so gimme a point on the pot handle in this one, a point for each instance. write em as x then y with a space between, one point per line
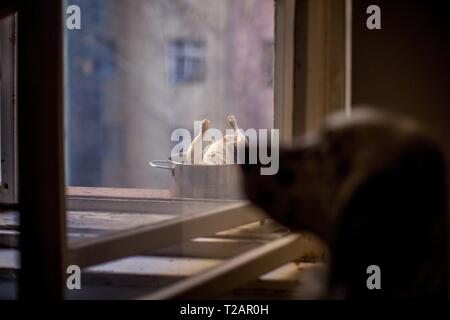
163 164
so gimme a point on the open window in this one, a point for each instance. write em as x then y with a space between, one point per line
129 86
134 73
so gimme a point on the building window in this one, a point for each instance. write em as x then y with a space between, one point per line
187 61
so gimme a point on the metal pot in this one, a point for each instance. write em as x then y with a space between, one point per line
202 181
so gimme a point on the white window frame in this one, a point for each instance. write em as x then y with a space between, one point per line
8 89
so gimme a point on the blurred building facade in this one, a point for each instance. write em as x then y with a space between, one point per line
140 69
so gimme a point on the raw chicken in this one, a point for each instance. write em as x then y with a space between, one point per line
239 136
216 154
194 153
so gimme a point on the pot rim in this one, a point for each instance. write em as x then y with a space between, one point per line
178 163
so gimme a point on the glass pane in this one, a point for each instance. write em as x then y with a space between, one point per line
139 71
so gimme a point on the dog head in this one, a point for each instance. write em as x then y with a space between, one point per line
319 176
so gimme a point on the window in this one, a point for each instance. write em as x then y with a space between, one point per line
120 120
127 82
187 61
121 108
128 88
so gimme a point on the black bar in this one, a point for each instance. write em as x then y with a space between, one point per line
41 152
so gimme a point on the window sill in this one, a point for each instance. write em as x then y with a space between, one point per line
118 193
